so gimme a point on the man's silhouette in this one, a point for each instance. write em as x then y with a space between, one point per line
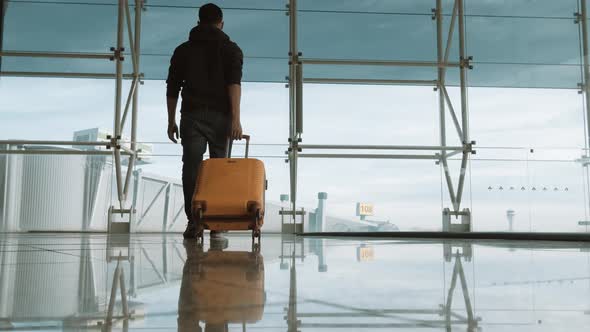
208 70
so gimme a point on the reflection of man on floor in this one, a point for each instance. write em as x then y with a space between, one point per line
188 309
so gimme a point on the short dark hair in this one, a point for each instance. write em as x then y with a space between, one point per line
210 14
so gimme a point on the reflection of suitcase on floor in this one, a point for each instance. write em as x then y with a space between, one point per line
230 194
229 287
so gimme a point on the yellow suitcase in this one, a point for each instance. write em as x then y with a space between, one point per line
230 194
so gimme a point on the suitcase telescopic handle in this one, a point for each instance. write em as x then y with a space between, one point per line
229 145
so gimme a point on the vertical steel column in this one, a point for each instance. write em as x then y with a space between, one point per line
118 90
441 77
464 111
463 71
298 98
441 98
291 77
293 60
586 64
135 104
3 7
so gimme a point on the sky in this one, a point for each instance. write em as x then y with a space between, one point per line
505 122
407 193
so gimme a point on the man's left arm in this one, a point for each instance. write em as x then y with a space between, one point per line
233 80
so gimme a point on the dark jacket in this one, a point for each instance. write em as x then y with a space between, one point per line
203 67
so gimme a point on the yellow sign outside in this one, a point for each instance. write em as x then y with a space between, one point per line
364 209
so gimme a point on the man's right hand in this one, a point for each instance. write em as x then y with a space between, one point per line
173 134
236 130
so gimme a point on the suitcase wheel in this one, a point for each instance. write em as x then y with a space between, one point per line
256 230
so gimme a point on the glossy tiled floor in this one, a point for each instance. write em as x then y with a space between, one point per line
65 281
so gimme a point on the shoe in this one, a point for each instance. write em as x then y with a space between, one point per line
191 231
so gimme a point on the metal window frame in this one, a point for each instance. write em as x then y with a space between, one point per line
124 22
297 78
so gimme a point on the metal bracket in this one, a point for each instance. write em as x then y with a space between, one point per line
434 13
126 211
290 213
581 88
113 142
117 53
584 161
295 227
466 62
119 227
577 18
469 147
463 227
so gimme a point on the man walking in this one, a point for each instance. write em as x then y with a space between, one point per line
208 70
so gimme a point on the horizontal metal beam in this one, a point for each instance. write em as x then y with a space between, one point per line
371 156
413 325
372 312
517 236
59 152
394 63
380 147
63 55
368 81
61 74
36 142
290 213
126 211
163 182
